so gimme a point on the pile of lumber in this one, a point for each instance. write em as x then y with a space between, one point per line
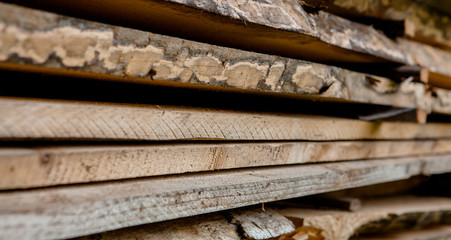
232 119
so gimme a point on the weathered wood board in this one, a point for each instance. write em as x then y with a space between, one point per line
422 22
55 44
37 167
432 233
376 216
78 210
281 27
37 119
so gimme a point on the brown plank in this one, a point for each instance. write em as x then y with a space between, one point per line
37 167
432 233
78 210
375 216
276 27
106 52
33 119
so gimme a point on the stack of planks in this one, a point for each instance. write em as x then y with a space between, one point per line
176 119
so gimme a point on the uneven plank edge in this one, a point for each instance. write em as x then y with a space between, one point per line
37 167
72 211
283 27
118 53
33 119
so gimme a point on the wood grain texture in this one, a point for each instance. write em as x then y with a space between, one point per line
432 233
59 44
33 119
288 30
260 223
376 216
422 22
78 210
37 167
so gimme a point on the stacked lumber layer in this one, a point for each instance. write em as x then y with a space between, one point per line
149 119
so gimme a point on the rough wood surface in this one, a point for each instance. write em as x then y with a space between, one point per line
422 22
207 227
431 233
37 167
33 119
376 215
78 210
260 223
48 40
261 26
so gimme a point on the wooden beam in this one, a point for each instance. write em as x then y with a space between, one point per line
106 52
375 216
38 167
78 210
276 27
33 119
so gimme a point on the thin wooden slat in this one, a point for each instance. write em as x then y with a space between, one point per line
106 52
37 167
72 211
33 119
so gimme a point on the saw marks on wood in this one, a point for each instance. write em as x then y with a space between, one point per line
33 119
37 167
78 210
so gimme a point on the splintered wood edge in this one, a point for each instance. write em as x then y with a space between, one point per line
269 25
259 223
376 215
78 210
38 167
117 54
37 119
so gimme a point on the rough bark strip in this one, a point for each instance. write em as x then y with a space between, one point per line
376 215
33 119
324 37
38 167
72 211
54 41
422 23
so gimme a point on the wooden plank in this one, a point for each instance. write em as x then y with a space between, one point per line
105 52
421 22
260 223
33 119
205 227
376 215
432 233
37 167
78 210
278 27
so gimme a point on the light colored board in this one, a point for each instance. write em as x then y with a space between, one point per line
206 227
287 29
107 52
432 233
33 119
260 223
78 210
376 215
37 167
